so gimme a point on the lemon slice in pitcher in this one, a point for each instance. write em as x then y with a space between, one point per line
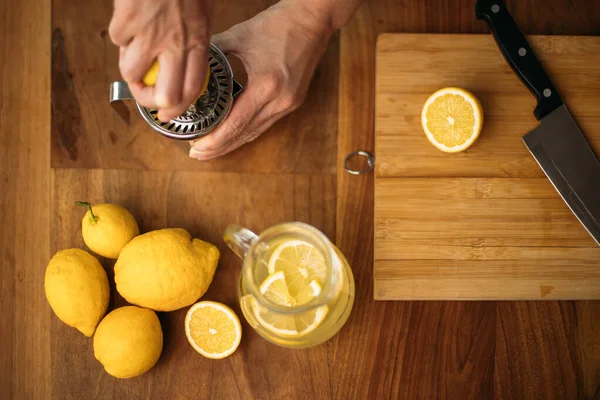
300 262
275 288
308 321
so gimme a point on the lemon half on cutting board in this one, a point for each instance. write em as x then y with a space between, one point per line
452 119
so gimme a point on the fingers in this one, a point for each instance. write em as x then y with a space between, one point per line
262 123
173 92
195 73
241 125
169 84
120 29
135 59
145 95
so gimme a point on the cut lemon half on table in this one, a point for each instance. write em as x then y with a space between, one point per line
300 262
275 288
452 119
213 329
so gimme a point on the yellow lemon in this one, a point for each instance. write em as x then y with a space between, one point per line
128 341
107 228
213 329
77 289
152 75
452 119
165 270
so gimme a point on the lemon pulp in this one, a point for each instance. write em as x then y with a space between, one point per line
452 119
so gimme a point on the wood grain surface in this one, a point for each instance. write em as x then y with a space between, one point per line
88 133
485 223
388 350
25 352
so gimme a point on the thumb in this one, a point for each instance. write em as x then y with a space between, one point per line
227 41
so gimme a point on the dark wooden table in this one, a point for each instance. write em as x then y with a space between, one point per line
78 149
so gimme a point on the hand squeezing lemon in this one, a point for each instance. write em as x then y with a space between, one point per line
452 119
152 75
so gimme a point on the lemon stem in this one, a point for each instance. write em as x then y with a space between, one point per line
93 218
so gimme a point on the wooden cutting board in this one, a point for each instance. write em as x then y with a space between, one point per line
484 223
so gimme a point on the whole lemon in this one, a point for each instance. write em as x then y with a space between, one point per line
107 228
128 341
165 270
77 289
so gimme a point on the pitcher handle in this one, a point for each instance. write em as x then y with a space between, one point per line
119 90
239 239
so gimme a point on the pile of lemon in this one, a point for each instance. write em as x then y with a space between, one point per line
161 270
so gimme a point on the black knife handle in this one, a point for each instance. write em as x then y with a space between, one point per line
519 55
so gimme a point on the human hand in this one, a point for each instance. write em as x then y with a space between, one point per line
280 49
176 33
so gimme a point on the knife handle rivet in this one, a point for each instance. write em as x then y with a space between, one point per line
495 8
522 51
547 92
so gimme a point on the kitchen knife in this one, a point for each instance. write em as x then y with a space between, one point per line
557 144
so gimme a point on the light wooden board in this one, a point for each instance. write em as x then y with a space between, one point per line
484 223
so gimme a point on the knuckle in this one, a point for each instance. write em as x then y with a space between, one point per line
291 101
116 27
177 39
271 84
114 32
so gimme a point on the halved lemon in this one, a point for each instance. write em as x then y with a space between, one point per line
213 329
452 119
300 262
152 75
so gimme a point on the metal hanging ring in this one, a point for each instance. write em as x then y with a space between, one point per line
370 160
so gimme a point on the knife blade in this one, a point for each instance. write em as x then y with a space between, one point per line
557 144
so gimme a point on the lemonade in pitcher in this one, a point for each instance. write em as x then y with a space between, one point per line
296 288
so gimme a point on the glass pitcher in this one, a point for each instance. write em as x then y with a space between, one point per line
296 288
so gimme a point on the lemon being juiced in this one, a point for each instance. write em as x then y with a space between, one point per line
152 76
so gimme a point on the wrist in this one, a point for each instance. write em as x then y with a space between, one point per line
317 22
332 14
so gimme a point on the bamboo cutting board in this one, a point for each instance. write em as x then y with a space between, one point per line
485 223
